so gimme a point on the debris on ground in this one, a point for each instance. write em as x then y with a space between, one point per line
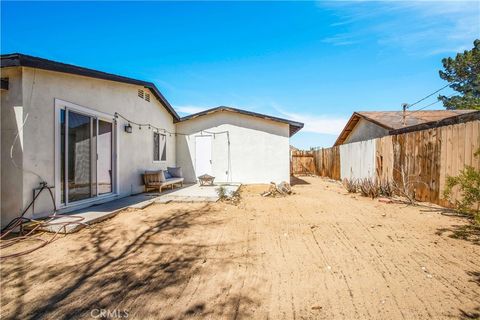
385 200
281 189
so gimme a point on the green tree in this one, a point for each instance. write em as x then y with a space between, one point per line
463 73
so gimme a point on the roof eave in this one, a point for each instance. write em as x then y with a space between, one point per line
294 126
353 121
22 60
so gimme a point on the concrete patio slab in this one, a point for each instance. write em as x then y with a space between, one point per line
195 193
100 212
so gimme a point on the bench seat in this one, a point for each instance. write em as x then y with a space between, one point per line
155 180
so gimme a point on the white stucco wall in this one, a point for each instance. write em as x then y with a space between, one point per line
11 115
259 149
40 88
365 130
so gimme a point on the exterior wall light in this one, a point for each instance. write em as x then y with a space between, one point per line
128 128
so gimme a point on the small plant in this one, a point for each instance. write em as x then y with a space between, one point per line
222 193
468 182
386 188
225 195
235 196
351 185
369 188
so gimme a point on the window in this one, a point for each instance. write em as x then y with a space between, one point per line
159 147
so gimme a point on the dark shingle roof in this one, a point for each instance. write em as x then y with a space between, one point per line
23 60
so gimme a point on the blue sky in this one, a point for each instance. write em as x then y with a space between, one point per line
314 62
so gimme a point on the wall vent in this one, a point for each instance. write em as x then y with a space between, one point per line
143 95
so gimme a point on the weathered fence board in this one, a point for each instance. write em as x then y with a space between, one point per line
459 143
415 162
384 158
302 163
327 162
421 159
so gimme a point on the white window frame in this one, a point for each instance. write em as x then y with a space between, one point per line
63 105
159 147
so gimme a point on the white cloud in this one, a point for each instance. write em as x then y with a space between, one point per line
418 27
322 124
341 40
190 109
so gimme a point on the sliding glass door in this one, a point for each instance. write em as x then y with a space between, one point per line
86 153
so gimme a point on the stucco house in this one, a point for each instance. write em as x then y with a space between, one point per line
90 135
376 124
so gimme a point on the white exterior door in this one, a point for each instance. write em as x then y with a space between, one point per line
203 155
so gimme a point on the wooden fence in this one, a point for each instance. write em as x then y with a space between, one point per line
302 163
424 158
323 162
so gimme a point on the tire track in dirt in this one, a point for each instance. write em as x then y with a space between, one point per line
321 268
421 247
377 258
403 273
376 267
349 246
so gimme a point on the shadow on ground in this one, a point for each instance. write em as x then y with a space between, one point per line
297 181
475 313
467 232
119 271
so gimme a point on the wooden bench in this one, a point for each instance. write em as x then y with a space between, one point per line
157 180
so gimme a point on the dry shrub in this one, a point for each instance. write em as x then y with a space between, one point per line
407 186
387 189
351 185
369 188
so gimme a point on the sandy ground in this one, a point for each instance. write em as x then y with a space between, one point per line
318 254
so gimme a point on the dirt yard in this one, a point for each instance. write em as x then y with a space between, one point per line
318 254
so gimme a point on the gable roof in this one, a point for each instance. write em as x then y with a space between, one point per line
393 120
294 125
23 60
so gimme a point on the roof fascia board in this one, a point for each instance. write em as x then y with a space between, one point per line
294 125
21 60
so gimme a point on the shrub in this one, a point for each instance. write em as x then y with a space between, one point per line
222 193
386 188
468 182
230 196
369 188
351 185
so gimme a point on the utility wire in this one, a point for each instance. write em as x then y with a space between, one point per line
431 94
431 104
